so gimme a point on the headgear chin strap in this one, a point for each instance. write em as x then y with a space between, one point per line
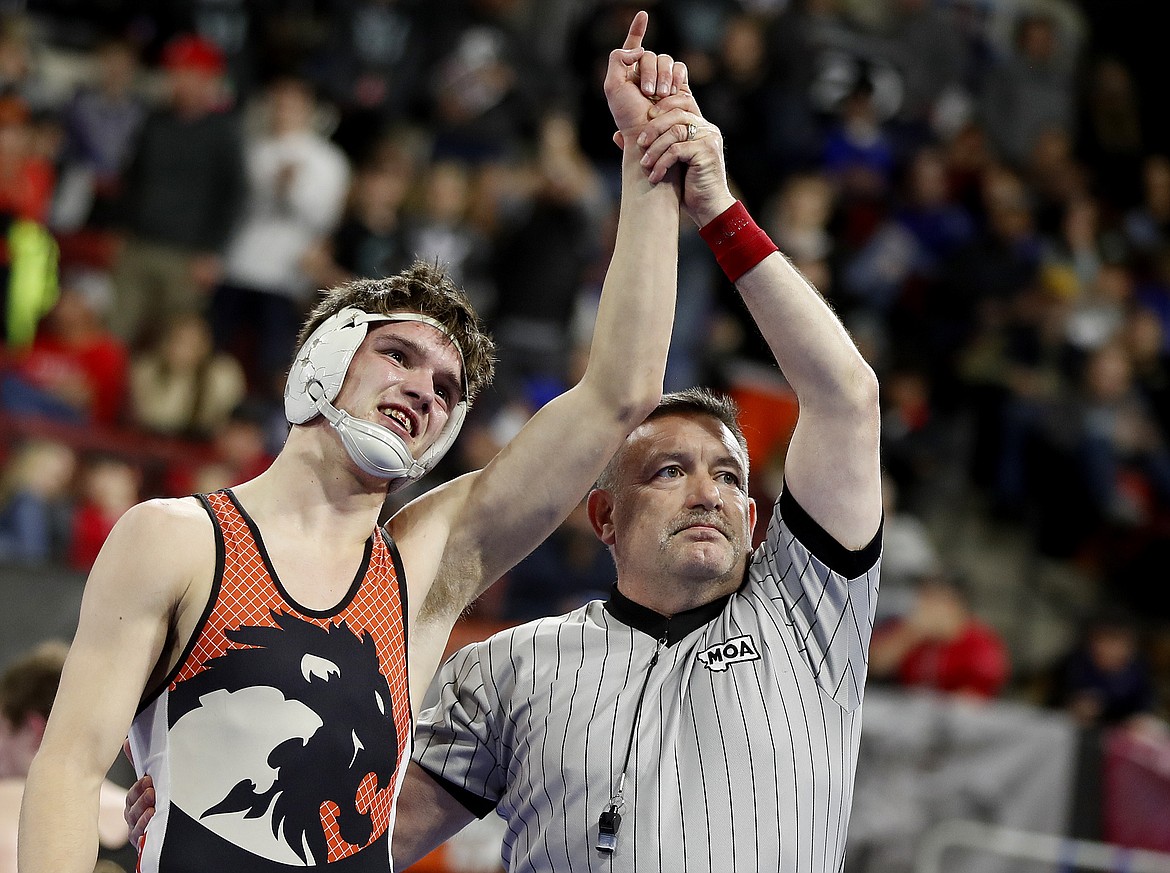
315 379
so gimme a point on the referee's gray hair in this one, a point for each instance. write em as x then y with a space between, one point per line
701 401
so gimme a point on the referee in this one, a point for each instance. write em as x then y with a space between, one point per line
707 716
719 720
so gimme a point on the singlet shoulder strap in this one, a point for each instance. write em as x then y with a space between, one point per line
213 596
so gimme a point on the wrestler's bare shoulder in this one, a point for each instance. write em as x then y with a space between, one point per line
162 533
167 515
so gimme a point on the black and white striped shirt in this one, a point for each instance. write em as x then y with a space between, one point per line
745 749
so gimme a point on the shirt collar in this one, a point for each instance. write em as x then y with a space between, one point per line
670 628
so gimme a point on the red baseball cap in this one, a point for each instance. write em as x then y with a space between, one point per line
190 52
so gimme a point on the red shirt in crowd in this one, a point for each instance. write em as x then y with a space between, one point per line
27 190
974 662
98 363
91 526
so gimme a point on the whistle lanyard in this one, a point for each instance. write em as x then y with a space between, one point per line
611 818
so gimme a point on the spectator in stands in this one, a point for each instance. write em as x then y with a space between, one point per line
1072 255
1056 179
1015 372
26 178
819 50
21 74
1117 440
1097 315
35 502
1031 91
1144 337
297 182
1110 139
75 369
908 554
803 211
738 96
371 238
799 218
567 570
924 230
933 57
541 257
183 194
182 386
27 689
980 282
859 153
940 645
28 254
1106 679
1147 225
101 126
109 486
485 83
916 440
372 64
439 228
968 157
238 452
928 211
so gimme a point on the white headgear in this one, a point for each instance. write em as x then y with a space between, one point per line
314 381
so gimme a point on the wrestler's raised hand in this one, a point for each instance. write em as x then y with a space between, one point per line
636 78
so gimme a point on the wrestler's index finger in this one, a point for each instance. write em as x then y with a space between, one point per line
637 31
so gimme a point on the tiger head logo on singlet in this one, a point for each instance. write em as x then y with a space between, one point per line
325 710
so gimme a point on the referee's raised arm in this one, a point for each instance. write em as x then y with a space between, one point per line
832 466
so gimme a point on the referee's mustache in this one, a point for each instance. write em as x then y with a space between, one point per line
706 519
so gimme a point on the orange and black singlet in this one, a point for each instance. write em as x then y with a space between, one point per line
280 739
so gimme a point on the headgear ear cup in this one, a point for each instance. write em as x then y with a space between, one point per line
315 380
324 358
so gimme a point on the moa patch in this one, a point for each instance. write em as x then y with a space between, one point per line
736 650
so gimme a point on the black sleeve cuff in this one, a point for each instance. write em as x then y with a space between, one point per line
472 802
845 562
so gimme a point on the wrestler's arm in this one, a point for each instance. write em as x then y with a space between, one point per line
131 598
484 523
427 817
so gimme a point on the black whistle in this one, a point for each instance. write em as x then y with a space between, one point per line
607 828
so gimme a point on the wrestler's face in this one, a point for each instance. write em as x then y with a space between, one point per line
407 377
680 513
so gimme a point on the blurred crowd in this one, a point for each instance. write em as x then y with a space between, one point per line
981 188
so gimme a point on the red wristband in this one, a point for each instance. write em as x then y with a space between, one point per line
737 241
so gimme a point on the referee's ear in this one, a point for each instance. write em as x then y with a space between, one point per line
600 506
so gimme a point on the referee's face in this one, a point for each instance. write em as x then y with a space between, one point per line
680 513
